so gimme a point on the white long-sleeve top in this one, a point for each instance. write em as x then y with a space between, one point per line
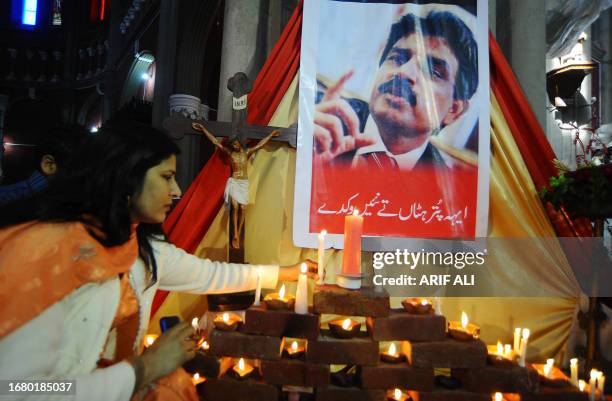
67 339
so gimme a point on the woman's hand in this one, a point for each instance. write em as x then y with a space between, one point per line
171 350
291 273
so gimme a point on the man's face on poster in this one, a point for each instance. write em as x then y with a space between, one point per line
414 87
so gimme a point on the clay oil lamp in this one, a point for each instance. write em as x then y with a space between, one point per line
294 350
344 328
397 395
242 370
279 300
197 379
418 306
464 330
391 355
227 322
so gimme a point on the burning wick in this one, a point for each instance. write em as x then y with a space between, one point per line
346 324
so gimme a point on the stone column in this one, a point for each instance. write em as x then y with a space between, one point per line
242 51
521 33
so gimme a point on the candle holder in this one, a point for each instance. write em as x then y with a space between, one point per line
392 356
242 370
279 301
464 330
551 376
294 350
397 395
227 322
344 328
197 379
418 306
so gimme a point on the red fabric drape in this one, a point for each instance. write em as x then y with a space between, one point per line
194 214
529 136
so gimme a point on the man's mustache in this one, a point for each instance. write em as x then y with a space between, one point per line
399 87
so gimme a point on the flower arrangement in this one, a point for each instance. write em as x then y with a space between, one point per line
584 192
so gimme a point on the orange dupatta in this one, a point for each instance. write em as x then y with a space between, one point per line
41 263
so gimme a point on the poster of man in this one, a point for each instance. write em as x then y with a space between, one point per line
393 119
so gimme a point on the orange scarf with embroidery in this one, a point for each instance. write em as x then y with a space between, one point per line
41 263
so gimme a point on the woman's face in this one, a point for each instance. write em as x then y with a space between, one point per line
155 200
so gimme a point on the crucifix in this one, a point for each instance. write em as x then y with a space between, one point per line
238 132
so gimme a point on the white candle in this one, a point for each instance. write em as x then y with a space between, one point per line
517 340
547 370
574 371
581 385
301 295
601 381
321 256
437 306
523 347
498 397
592 384
258 288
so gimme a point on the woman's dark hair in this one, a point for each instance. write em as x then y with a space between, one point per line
98 181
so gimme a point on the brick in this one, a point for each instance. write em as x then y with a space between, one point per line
400 325
386 376
207 365
446 354
259 320
372 301
448 395
238 344
490 379
295 373
353 351
334 393
227 389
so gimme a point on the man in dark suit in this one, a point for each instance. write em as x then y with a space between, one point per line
427 73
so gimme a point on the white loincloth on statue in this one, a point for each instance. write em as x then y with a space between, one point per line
237 190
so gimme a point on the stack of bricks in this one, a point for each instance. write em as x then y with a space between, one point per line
424 342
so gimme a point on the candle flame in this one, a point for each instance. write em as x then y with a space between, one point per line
464 320
526 334
498 397
241 364
205 345
600 375
281 293
550 361
355 212
593 374
194 323
392 349
574 361
225 317
581 385
397 394
517 330
500 348
149 339
346 324
196 376
507 349
323 233
303 268
424 302
294 346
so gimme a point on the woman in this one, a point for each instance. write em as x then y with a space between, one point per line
77 277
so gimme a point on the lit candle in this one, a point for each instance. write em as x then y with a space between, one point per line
321 256
397 395
601 381
508 351
195 324
517 340
258 288
523 347
295 350
498 397
391 356
196 379
227 322
279 300
574 371
351 258
149 340
500 350
301 294
465 330
204 346
547 369
344 328
581 385
242 369
592 384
